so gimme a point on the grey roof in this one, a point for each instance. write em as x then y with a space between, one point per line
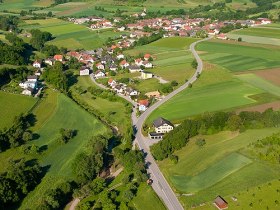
134 67
160 121
32 77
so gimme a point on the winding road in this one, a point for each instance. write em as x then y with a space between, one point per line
160 185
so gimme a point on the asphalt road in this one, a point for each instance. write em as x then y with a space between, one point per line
160 185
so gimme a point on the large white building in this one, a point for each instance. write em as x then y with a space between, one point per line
162 125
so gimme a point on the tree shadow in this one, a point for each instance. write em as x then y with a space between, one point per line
43 148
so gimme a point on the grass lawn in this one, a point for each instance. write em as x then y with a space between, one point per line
146 198
11 105
71 35
220 168
209 98
239 56
60 157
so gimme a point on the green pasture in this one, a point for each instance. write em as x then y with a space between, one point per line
71 35
18 5
211 175
148 85
261 197
116 112
259 31
146 198
45 109
220 168
260 83
12 105
59 157
209 98
239 57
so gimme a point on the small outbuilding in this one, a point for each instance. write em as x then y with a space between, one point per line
220 203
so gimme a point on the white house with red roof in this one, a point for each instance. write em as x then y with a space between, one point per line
147 57
100 66
124 64
138 62
58 58
222 36
37 64
99 74
84 71
143 105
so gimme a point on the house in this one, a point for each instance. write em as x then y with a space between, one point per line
134 68
113 67
155 94
28 84
32 78
58 58
99 74
220 203
264 21
146 75
162 125
49 61
138 62
222 36
147 64
120 56
112 82
143 105
147 57
124 64
28 91
119 89
100 66
84 71
37 64
129 91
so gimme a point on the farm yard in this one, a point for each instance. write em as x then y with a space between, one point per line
20 105
70 35
228 170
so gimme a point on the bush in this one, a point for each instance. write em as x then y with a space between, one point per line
174 158
200 142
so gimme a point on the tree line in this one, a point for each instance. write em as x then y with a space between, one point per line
210 123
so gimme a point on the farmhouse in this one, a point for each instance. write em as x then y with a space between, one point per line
146 75
124 64
220 203
147 64
100 66
147 57
222 36
49 61
112 82
84 71
162 125
154 135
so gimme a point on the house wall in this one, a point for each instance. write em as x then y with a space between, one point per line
164 129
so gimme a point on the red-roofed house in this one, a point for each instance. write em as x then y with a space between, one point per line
147 57
58 58
100 66
138 62
111 82
222 36
124 64
37 64
143 105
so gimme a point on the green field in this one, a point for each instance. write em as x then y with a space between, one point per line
70 35
260 83
220 168
56 156
209 98
18 5
12 105
259 31
115 112
239 57
146 198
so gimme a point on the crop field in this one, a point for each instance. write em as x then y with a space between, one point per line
256 39
70 35
271 75
259 31
260 83
18 5
11 105
262 107
227 171
240 57
209 98
60 157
